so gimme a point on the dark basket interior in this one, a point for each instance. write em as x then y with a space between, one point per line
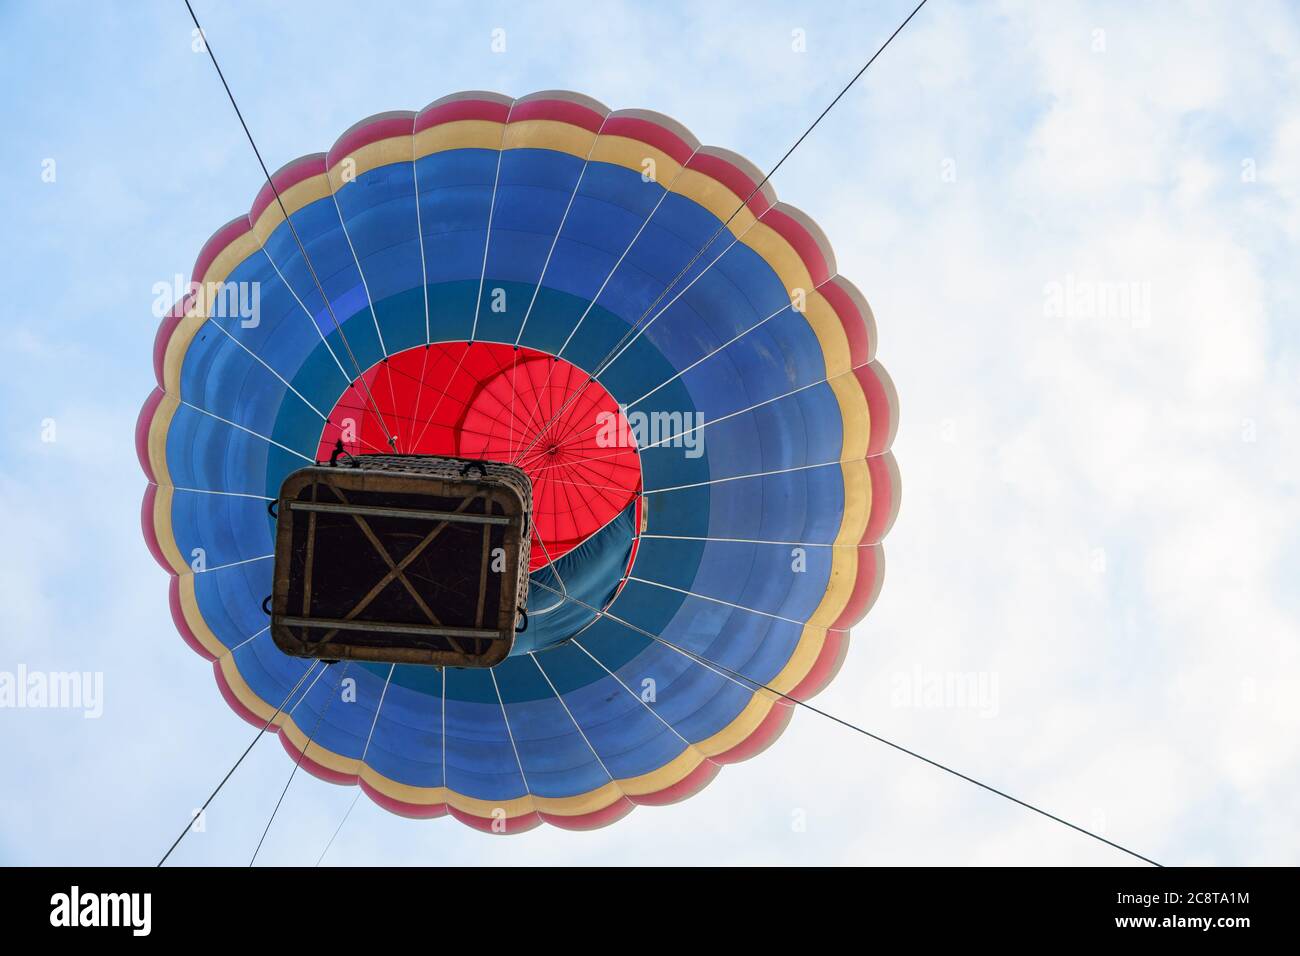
395 571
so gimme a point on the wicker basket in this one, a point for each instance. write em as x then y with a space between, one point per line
411 559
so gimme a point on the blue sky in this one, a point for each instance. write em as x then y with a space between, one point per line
1100 498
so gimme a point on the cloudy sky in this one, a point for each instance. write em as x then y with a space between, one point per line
1076 226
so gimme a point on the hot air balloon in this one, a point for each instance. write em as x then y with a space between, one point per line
635 323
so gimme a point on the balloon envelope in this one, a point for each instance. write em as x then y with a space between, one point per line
723 483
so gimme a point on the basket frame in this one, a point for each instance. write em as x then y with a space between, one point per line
506 494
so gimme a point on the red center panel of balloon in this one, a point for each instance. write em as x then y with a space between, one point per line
493 401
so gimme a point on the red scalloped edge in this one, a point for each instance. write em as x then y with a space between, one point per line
685 788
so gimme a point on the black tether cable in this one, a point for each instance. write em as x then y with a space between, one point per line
212 795
298 763
757 685
285 212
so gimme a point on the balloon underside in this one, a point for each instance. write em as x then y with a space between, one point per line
751 540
